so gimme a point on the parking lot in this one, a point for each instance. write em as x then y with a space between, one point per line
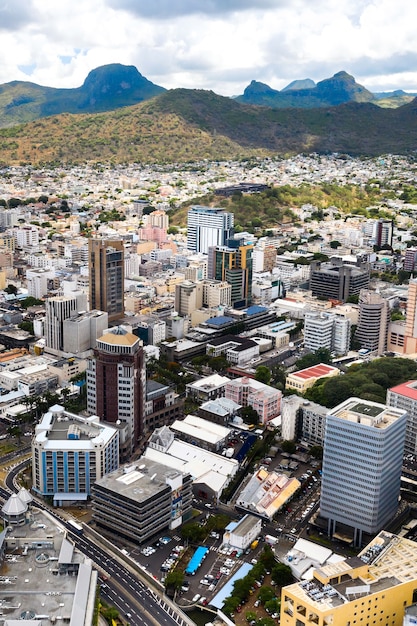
219 565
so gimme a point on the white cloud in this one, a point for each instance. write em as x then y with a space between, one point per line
211 44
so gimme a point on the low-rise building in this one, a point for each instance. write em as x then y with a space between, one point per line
404 396
377 586
266 493
46 580
201 432
162 406
211 472
304 379
207 388
264 399
242 533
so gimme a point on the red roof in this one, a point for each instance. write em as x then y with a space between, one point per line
407 389
316 371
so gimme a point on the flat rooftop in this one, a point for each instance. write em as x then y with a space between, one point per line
366 413
387 561
139 481
29 583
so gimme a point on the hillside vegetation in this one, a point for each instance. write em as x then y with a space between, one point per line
273 206
186 125
368 381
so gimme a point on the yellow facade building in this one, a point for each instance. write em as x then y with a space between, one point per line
373 588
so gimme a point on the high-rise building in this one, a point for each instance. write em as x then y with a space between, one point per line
106 265
70 452
374 317
384 230
337 280
318 330
410 260
116 379
188 297
159 219
362 461
208 226
404 396
59 309
234 264
402 336
82 330
216 293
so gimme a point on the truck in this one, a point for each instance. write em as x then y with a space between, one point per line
270 540
254 544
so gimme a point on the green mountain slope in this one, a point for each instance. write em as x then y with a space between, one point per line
105 88
185 125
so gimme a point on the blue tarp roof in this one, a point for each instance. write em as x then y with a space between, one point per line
252 310
226 591
219 321
196 560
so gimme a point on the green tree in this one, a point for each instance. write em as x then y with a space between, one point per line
28 326
193 531
230 605
263 374
31 301
218 363
174 580
15 431
272 606
250 616
353 299
281 574
249 415
265 594
11 289
12 203
316 452
288 446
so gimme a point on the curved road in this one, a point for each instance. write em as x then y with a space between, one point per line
125 589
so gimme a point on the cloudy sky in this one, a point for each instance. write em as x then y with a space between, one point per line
211 44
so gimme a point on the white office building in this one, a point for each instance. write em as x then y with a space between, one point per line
207 227
58 309
326 330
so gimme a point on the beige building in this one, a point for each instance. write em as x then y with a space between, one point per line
216 293
188 297
402 336
304 379
106 270
375 587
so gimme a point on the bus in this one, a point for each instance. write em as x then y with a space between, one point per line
75 527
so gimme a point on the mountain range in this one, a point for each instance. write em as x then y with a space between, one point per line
118 115
113 86
338 89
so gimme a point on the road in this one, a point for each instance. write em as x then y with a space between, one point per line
138 602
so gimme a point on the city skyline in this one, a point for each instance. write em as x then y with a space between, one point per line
214 45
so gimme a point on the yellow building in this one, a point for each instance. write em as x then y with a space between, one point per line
372 588
304 379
